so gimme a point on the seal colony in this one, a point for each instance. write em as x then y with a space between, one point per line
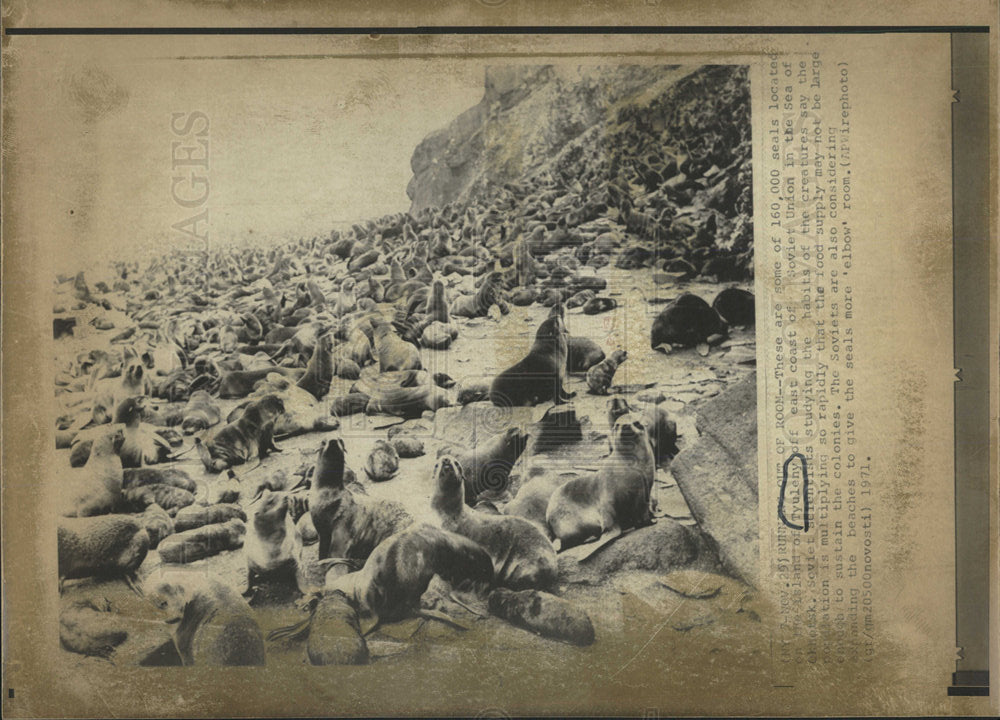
273 405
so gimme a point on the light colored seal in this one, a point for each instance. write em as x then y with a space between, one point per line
522 556
215 626
615 498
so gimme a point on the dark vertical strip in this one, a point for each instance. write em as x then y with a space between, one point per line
971 203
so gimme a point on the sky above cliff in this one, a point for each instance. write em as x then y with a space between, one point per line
296 146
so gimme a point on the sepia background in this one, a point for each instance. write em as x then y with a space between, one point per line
51 140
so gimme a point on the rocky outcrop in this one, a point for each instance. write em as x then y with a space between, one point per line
527 115
718 476
665 150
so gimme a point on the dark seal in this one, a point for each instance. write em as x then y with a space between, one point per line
539 377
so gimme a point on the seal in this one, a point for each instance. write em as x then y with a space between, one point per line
200 413
600 376
348 526
96 488
169 497
90 629
215 625
487 466
522 556
248 436
580 298
616 497
239 383
582 354
302 412
335 634
660 429
597 305
407 401
320 368
736 307
134 380
393 352
533 496
356 347
686 322
522 297
271 546
544 614
202 542
541 375
437 306
399 570
195 516
437 336
383 462
105 546
158 524
349 404
141 443
490 293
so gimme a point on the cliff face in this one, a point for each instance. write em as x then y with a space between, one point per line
528 114
662 150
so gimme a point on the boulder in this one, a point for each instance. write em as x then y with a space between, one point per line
717 475
662 547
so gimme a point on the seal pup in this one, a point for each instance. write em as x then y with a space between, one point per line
522 556
600 376
541 375
141 444
215 626
383 462
615 498
272 546
248 436
348 526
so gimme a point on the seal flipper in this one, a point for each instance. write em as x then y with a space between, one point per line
299 630
132 580
372 628
609 536
440 617
266 443
324 532
250 591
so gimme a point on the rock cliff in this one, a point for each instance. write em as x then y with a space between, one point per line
666 148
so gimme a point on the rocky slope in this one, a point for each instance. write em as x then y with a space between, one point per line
665 148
